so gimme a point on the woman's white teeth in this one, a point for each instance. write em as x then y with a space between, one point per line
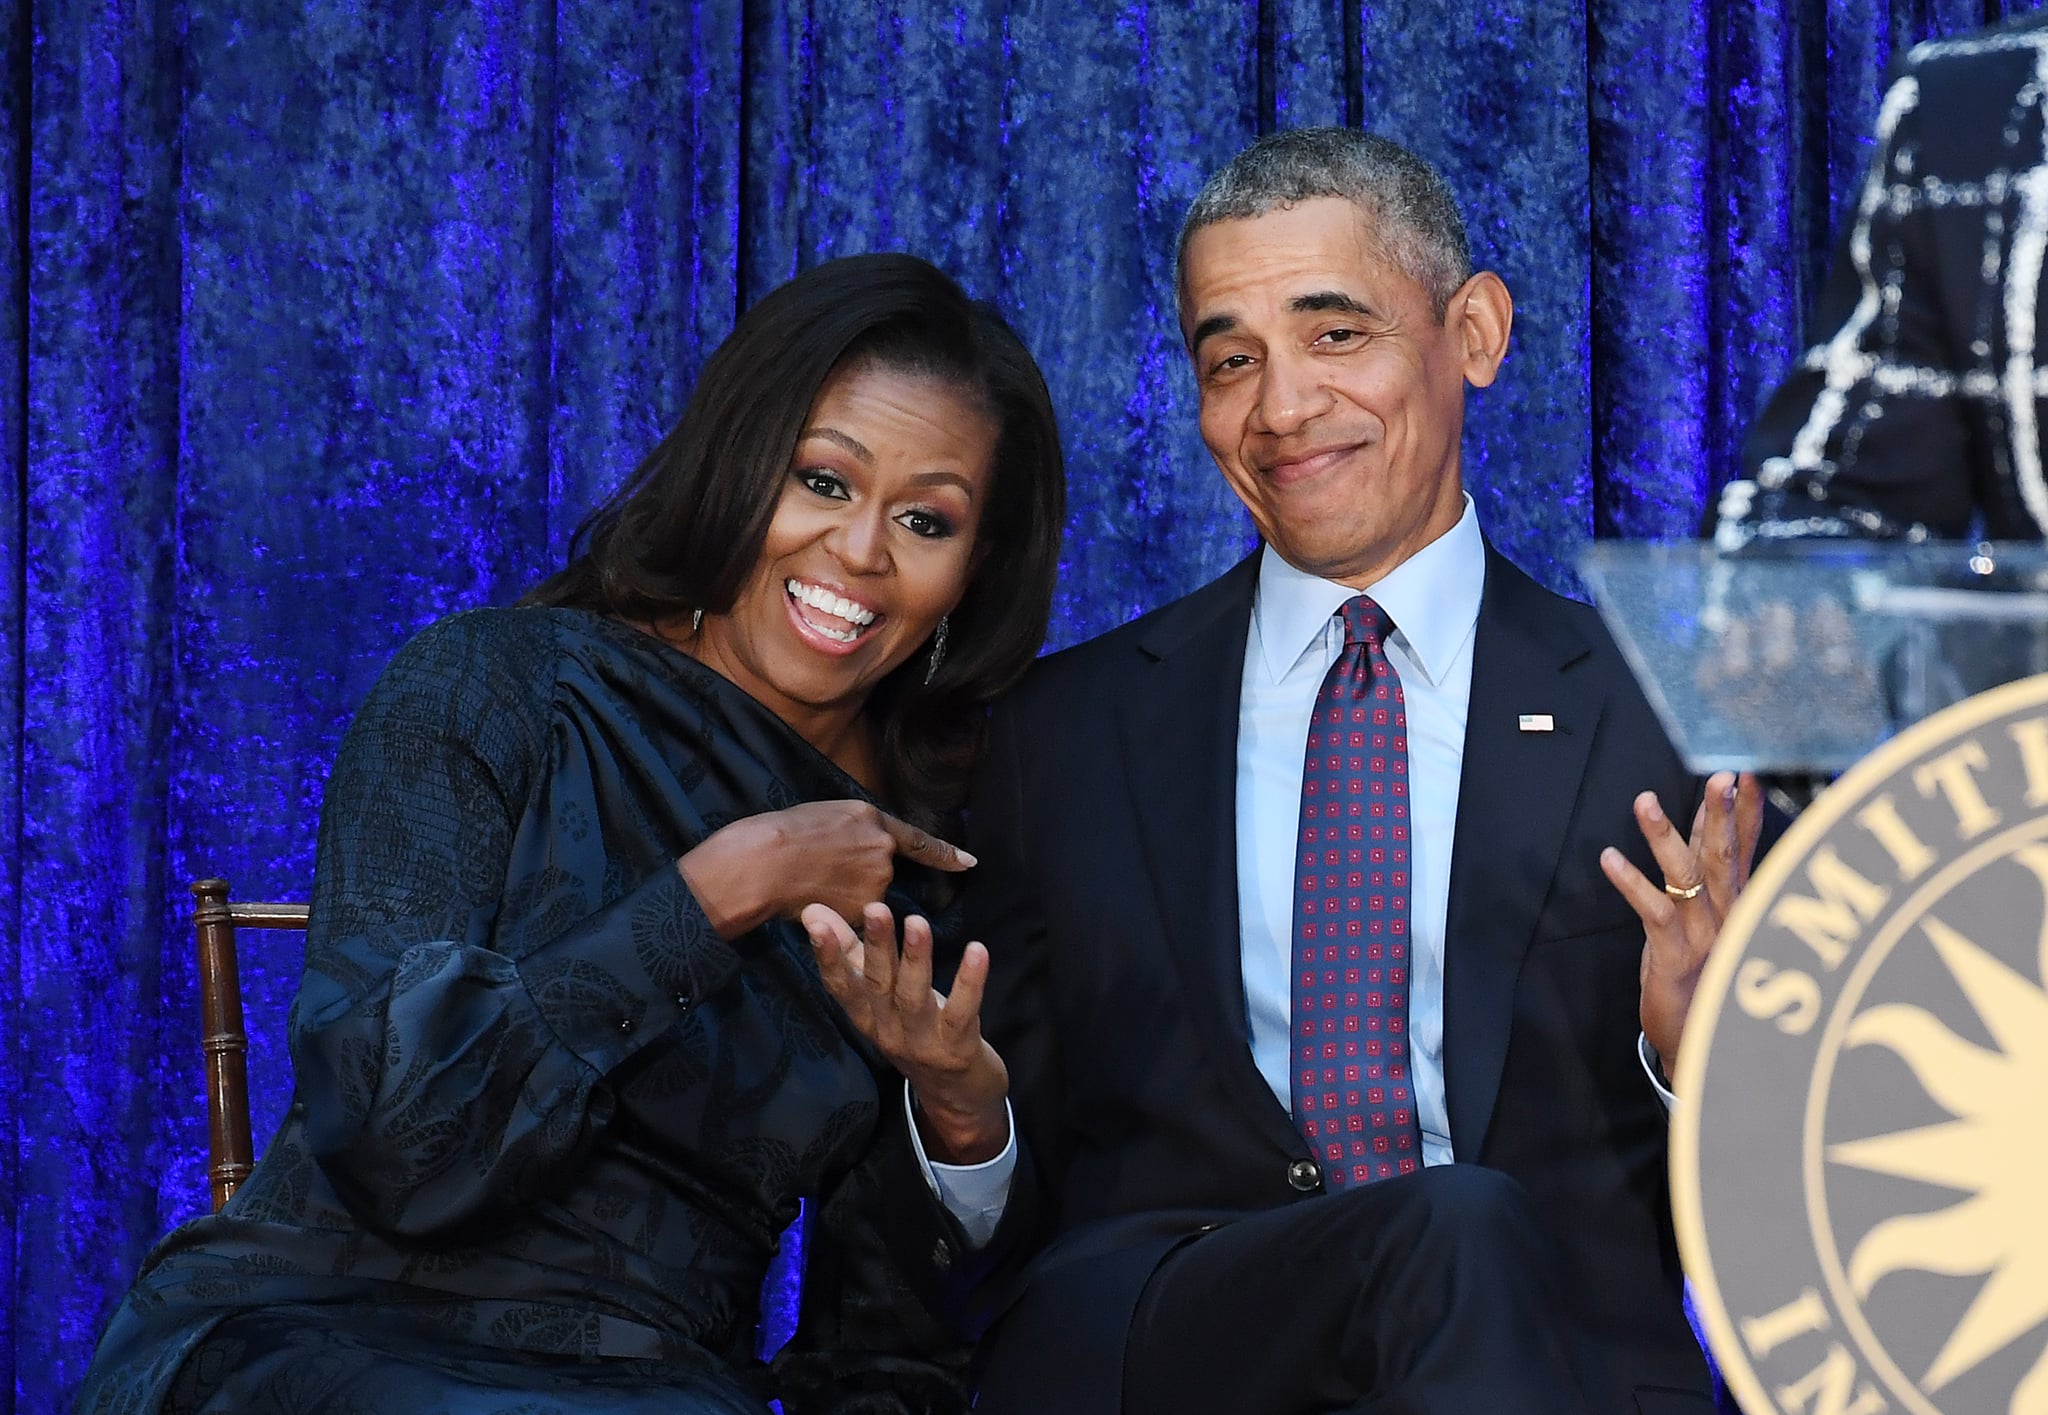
859 616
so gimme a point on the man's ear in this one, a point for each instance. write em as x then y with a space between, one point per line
1482 313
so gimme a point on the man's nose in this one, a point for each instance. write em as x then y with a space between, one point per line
1290 396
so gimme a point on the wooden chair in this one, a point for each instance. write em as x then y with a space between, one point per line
230 1152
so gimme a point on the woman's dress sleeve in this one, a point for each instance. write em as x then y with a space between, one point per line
446 1081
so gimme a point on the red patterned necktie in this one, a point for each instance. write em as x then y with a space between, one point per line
1354 1097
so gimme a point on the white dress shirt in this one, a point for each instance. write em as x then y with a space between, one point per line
1433 600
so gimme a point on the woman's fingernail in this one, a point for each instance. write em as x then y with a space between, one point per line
966 859
1653 810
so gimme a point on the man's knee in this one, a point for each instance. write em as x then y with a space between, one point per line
1454 1213
1461 1194
1473 1217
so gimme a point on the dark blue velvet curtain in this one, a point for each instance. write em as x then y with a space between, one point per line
322 320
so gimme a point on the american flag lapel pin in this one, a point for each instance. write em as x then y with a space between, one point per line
1536 722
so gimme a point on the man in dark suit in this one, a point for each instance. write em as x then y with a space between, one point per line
1321 1023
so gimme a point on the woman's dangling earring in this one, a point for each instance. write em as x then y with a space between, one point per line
931 668
696 620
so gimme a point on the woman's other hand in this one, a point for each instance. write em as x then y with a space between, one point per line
841 854
934 1040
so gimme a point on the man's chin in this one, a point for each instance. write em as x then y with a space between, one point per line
1326 556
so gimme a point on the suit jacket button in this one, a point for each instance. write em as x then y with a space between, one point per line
1305 1175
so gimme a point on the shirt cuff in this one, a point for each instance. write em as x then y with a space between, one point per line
975 1194
1653 1067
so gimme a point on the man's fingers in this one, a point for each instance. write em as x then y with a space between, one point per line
960 1015
878 951
1714 843
914 976
1674 856
1652 905
836 948
1749 824
924 847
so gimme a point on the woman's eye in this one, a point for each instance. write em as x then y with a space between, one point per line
926 524
824 483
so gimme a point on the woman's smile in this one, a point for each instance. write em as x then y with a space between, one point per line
820 613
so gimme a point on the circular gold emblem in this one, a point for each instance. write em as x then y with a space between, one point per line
1860 1152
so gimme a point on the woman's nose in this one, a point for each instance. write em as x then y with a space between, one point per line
861 542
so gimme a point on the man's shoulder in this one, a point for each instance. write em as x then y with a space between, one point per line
1094 670
1571 628
1514 592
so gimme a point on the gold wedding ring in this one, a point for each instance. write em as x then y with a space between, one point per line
1691 891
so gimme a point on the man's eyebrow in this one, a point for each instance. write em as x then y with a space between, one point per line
1209 328
1325 301
853 445
1315 302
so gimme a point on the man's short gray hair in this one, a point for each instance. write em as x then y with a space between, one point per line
1408 206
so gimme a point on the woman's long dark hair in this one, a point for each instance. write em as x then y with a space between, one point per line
685 531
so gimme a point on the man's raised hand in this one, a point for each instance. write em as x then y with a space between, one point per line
1683 914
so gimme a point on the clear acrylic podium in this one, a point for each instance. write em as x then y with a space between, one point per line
1797 659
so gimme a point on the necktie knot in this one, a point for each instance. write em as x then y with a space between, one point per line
1364 622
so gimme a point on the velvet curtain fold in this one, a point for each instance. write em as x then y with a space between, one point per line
322 320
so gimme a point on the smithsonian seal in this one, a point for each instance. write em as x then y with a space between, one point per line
1860 1149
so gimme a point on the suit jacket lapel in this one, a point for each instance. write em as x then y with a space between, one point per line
1515 797
1180 753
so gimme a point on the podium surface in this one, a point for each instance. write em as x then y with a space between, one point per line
1800 658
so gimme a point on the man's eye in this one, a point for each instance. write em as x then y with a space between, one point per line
823 483
1341 336
1231 363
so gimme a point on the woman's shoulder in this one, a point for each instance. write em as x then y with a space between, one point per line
487 686
522 639
479 663
518 660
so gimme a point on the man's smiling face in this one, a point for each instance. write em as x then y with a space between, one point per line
1332 397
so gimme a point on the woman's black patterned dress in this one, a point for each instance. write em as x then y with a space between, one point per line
548 1124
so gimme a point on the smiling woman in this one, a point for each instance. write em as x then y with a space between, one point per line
872 545
565 1063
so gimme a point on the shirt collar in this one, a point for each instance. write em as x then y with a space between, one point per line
1432 597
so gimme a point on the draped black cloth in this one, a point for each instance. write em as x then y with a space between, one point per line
1918 410
548 1123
